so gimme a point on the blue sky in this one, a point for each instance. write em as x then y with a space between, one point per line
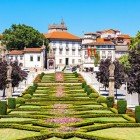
79 15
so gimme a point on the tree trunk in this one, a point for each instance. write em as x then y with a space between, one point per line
139 98
3 93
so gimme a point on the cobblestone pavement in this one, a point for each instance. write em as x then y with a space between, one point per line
132 100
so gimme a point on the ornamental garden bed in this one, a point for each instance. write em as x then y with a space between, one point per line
64 111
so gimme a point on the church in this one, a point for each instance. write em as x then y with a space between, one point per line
64 47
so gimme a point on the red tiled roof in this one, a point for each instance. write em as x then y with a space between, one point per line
61 35
101 41
124 36
110 31
32 50
16 52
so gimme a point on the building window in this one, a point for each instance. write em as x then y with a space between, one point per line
54 50
67 44
21 57
109 54
73 43
38 58
11 57
73 52
79 52
60 51
79 60
67 52
103 54
31 58
60 42
16 58
60 61
73 61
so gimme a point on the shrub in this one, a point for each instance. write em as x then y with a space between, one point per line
86 87
137 114
27 96
11 103
20 100
83 84
110 101
94 95
101 99
121 106
89 91
3 107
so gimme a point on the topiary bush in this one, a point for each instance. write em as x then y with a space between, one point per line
83 84
20 100
89 91
137 114
3 107
27 96
11 103
101 99
110 101
94 95
121 106
86 88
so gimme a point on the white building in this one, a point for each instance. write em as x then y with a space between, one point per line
105 49
31 58
64 48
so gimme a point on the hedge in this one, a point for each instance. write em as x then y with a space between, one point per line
110 101
83 84
3 107
27 96
101 99
137 114
20 100
94 95
122 106
11 103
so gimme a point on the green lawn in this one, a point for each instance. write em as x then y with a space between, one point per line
15 119
118 133
111 119
74 138
14 134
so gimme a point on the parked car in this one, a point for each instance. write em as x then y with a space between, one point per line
27 70
74 68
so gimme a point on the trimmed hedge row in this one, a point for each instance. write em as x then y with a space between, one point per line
121 106
3 107
110 125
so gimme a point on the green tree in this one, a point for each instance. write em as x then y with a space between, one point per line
124 61
20 36
135 41
134 72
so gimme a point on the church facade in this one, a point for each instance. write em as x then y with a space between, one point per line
64 47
